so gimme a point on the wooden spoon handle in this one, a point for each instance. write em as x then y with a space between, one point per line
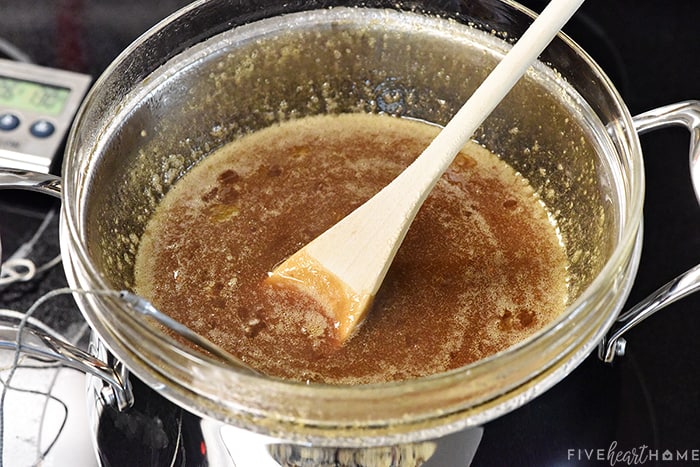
360 247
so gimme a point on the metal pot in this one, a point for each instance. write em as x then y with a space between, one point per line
217 70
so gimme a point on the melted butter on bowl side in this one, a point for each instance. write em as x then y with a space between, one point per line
482 266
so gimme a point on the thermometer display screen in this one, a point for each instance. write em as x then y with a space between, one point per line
34 97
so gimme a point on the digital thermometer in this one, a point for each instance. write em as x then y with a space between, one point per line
37 107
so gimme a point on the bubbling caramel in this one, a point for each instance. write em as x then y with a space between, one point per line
481 268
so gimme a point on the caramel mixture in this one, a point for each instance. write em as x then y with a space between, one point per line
481 268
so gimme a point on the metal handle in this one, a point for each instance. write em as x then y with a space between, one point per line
32 181
685 114
38 341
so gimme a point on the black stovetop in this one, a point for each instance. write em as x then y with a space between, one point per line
651 396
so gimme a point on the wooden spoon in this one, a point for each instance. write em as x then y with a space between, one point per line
344 267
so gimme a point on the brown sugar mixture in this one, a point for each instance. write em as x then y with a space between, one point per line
482 266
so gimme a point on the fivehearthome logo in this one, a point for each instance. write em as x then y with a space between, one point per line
614 455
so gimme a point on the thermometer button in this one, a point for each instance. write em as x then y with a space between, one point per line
42 129
8 122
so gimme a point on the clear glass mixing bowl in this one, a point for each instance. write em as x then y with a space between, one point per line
217 70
